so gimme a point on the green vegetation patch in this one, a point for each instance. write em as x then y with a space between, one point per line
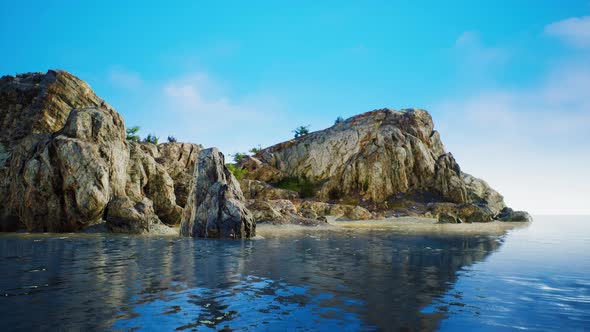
304 187
239 173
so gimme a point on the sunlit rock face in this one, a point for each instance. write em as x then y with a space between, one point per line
216 206
65 163
372 157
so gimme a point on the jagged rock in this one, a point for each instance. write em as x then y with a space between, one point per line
271 210
64 169
259 170
179 161
371 157
254 189
358 213
145 177
507 214
74 172
344 212
215 207
37 103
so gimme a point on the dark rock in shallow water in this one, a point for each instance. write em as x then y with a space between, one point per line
216 206
507 214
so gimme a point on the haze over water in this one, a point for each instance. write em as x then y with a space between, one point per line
534 277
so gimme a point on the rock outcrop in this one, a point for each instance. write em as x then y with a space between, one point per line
372 158
215 206
65 163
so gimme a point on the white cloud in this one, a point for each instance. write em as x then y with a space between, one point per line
125 79
199 109
470 47
574 31
530 144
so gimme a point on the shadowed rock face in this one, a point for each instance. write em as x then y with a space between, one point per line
215 207
372 157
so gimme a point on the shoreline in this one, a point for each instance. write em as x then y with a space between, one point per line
406 225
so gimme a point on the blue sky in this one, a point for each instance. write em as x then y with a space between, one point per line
506 81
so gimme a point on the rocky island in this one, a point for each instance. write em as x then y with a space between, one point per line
66 166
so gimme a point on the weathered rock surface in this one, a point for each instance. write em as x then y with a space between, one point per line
282 212
342 211
65 163
254 189
372 157
215 206
37 103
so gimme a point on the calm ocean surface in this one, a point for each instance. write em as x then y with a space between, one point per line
531 278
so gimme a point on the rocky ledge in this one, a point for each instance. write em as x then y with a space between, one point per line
66 165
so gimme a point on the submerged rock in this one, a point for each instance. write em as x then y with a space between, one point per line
215 206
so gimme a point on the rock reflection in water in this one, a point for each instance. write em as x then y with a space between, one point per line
342 280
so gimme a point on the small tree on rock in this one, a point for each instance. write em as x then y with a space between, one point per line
171 139
255 149
132 134
301 131
151 138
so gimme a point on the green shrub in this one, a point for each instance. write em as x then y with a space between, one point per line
239 173
304 187
238 156
301 131
171 139
339 120
132 134
151 138
255 150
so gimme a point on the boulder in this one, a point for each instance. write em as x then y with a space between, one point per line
216 206
254 189
271 210
507 214
74 172
342 211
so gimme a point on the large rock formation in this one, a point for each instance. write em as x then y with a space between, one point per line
372 159
65 163
215 207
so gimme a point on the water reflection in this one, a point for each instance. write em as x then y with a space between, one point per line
345 280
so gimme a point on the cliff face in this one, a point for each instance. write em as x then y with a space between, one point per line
373 158
65 163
